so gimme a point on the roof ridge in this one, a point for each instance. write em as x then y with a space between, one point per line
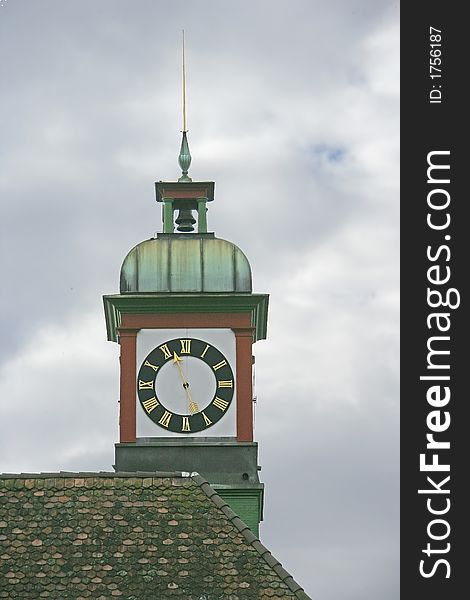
250 537
83 474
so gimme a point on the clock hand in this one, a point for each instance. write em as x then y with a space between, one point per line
193 407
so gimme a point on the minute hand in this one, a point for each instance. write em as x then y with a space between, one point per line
193 407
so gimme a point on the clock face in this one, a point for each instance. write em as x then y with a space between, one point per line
185 385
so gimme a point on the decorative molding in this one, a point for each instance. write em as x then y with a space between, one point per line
118 305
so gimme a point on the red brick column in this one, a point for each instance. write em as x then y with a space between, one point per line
244 341
127 424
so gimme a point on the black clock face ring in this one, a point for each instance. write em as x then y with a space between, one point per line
204 409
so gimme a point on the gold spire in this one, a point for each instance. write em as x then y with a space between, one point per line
184 89
184 158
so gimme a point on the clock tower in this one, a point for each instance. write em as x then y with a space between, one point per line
186 319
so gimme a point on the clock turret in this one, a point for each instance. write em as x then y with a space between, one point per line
186 319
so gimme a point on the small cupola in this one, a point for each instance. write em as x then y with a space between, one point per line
185 257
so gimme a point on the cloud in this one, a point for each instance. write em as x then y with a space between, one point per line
60 399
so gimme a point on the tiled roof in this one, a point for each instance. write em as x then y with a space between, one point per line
133 536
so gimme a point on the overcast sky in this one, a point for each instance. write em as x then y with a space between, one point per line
293 111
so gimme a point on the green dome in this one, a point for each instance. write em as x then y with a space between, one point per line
185 263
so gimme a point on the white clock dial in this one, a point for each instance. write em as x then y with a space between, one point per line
183 397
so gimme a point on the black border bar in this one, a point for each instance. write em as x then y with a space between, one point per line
434 272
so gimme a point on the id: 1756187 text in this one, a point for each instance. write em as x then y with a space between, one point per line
435 62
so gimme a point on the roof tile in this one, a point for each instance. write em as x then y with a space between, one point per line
138 536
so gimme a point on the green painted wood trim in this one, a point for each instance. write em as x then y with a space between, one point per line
246 503
117 304
201 215
182 187
168 226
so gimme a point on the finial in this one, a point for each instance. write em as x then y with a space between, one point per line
184 158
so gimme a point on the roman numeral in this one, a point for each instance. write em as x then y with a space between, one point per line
206 418
186 426
165 351
150 404
165 420
145 385
227 384
222 404
154 367
219 365
185 346
205 350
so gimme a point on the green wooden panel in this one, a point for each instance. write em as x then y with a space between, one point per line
246 503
